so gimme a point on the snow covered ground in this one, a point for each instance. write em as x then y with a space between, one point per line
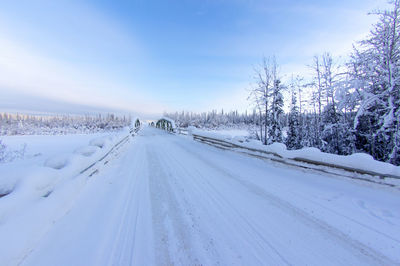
166 199
48 164
35 153
41 147
231 132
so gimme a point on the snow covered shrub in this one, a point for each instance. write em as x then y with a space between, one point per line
7 155
2 151
254 134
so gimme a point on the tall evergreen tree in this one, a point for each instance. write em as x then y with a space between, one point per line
293 140
275 133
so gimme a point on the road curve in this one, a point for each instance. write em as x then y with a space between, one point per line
169 200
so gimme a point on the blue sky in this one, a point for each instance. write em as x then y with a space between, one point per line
153 56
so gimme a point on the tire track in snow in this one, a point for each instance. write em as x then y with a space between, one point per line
130 243
355 246
174 237
219 202
201 243
124 245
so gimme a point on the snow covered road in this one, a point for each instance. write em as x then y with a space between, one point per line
171 200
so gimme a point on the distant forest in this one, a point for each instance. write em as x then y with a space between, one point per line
345 108
18 124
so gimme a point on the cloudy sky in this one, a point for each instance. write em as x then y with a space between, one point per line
150 56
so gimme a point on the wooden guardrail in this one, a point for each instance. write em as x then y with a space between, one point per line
297 161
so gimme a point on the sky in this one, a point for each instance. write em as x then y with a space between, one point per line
150 56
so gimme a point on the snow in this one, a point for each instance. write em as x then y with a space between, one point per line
356 160
360 161
99 142
41 147
231 132
238 135
166 199
86 150
49 161
190 130
57 162
213 134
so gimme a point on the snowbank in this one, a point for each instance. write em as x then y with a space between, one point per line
234 132
239 134
57 162
40 180
99 142
358 162
87 150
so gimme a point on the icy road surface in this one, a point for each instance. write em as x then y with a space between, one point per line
169 200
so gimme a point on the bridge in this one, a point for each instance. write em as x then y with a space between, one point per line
166 124
167 199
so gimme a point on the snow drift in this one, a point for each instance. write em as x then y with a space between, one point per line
40 180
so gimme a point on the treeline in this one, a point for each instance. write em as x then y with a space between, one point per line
213 119
353 107
19 124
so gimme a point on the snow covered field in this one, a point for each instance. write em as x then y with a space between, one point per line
32 153
166 199
41 147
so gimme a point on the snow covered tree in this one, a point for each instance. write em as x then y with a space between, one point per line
261 94
330 128
18 124
336 136
293 140
275 133
318 94
338 112
376 74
